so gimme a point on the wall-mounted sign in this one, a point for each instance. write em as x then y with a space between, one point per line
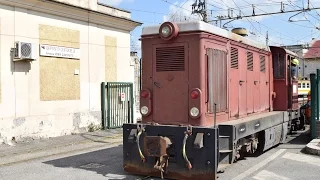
122 96
59 51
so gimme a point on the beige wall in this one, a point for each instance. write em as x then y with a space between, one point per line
111 59
44 98
57 78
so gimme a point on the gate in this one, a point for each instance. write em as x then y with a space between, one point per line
116 104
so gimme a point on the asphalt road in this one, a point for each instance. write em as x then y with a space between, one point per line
283 162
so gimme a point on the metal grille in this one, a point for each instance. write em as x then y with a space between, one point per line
234 58
26 49
170 58
250 61
262 63
217 80
119 104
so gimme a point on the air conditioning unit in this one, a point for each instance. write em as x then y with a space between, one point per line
24 51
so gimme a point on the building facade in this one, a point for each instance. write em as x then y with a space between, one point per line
137 82
309 57
312 58
54 56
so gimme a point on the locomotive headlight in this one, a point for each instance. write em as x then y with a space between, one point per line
194 112
166 31
144 110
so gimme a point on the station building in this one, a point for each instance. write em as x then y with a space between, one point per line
54 56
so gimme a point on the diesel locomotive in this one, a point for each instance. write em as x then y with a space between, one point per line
209 97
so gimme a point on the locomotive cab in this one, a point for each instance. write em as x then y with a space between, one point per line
286 86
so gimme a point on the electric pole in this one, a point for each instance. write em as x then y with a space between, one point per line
200 8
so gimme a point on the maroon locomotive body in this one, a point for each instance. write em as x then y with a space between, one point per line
214 68
208 97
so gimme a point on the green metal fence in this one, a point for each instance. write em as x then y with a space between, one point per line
116 104
315 101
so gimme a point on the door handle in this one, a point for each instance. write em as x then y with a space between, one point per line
156 84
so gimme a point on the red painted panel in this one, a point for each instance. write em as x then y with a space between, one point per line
264 88
250 87
170 83
234 92
243 83
234 82
256 83
280 102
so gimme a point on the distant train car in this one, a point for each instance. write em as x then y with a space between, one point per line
209 97
303 87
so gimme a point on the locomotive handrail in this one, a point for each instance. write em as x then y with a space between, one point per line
143 159
184 154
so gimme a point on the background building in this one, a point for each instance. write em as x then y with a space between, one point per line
309 57
299 49
312 57
137 74
70 48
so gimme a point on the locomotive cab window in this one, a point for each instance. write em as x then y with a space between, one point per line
278 66
217 79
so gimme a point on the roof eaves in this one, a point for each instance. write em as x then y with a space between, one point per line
123 10
102 13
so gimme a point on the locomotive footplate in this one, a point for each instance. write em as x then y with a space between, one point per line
175 152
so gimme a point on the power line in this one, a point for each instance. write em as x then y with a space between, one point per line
179 9
176 5
293 40
263 14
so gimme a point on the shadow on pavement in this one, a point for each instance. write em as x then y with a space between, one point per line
107 162
301 138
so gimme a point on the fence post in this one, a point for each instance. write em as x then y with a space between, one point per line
314 100
318 92
109 104
103 104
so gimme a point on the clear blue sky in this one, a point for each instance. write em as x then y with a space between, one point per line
280 30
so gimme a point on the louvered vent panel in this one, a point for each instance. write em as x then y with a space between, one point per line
170 58
234 58
250 61
262 63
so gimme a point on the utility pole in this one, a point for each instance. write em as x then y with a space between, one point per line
200 8
267 39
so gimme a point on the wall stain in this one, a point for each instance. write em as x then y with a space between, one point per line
19 121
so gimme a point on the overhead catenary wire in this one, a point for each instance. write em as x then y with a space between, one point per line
179 9
176 5
290 38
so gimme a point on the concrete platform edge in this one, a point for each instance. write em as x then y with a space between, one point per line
313 148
